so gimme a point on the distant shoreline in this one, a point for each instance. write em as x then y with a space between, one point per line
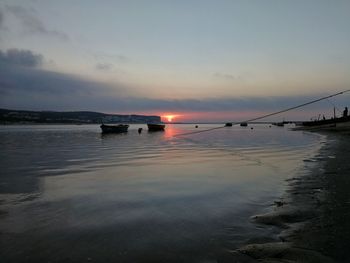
8 116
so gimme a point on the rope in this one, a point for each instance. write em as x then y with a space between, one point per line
195 132
264 116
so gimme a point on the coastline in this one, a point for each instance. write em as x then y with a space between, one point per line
313 216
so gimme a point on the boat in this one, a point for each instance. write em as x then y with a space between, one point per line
120 128
228 124
278 124
333 124
156 126
244 124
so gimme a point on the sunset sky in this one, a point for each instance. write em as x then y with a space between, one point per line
200 60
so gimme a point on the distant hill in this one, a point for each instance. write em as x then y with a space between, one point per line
80 117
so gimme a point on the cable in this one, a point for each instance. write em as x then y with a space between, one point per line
265 116
195 132
299 106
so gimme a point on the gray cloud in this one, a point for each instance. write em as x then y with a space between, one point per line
3 27
32 24
106 56
1 19
31 88
212 104
16 57
104 66
224 76
25 86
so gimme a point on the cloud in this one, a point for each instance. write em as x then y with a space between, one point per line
2 27
224 76
1 19
31 24
243 77
104 66
209 104
107 56
24 85
24 58
32 88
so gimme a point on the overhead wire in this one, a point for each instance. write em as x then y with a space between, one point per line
263 116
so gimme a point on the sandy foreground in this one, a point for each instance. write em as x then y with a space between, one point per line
313 217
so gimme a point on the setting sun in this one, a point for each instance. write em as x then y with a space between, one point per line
170 118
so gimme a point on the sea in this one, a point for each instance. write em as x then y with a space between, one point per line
71 194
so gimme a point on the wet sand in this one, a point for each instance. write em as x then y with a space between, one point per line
313 217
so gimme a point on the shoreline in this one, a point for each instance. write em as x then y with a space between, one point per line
313 216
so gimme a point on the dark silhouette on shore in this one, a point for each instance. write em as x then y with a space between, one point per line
345 112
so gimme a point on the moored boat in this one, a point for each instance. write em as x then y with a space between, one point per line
244 124
120 128
156 126
333 124
228 124
278 124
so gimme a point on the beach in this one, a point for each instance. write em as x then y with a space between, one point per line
313 215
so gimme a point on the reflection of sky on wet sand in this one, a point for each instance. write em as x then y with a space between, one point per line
133 193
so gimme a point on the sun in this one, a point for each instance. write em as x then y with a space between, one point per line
170 118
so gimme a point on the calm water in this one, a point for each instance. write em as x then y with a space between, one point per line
70 194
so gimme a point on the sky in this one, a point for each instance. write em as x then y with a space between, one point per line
199 60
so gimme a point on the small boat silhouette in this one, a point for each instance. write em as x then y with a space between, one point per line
120 128
156 126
